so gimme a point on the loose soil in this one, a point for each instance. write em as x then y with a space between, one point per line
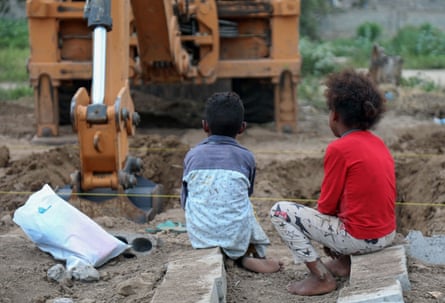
290 166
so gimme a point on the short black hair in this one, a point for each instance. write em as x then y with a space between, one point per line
224 113
355 97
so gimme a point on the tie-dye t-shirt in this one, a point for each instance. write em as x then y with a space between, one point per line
217 181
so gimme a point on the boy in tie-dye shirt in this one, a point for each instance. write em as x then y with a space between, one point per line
217 181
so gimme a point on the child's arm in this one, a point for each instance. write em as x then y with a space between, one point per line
333 183
184 193
252 181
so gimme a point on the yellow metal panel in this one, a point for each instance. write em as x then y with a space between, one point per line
54 9
153 33
64 70
257 69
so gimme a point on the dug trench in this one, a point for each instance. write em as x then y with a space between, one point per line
289 167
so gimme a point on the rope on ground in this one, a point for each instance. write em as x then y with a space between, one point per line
299 200
255 151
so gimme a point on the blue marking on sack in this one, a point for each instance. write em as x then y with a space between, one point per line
43 210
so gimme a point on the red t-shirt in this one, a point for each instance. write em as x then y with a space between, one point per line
359 185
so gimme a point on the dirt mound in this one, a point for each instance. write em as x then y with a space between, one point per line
29 174
421 194
420 169
295 178
162 158
418 104
425 141
17 118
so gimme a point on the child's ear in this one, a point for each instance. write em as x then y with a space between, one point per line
243 127
205 126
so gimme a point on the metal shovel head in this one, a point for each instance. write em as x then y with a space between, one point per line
139 204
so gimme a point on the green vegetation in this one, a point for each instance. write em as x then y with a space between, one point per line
421 47
15 93
13 33
309 20
318 58
13 64
369 31
425 85
14 52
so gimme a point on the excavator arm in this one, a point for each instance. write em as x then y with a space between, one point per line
105 120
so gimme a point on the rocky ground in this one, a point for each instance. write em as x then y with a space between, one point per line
289 167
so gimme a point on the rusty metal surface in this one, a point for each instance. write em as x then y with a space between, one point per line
239 9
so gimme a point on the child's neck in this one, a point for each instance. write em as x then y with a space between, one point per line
347 132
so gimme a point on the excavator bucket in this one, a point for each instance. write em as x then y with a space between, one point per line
140 203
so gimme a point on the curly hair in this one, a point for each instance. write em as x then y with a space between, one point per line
224 113
356 98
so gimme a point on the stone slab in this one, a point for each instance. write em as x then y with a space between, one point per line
378 277
198 277
391 292
426 249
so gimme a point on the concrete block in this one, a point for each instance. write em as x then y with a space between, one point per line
377 277
426 249
198 277
389 293
385 264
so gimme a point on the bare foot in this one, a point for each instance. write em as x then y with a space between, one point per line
262 265
340 267
312 286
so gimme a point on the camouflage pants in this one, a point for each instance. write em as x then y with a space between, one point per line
298 225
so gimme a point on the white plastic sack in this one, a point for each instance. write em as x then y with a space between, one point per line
60 229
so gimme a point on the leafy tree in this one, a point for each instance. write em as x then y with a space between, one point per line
369 31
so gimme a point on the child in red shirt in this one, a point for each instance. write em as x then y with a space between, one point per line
355 213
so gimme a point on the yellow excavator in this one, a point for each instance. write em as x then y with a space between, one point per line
87 55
